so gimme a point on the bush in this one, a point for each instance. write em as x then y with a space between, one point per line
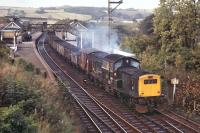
4 50
26 103
27 66
22 63
12 120
37 71
12 92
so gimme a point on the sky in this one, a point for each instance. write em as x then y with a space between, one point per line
137 4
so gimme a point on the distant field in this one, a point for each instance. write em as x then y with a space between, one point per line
3 12
55 14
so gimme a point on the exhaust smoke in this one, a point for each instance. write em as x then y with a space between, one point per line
98 36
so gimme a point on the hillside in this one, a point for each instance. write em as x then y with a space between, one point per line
79 13
101 12
42 13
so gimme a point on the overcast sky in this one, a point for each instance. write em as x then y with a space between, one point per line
138 4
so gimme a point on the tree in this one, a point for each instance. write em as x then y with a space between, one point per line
177 22
176 25
138 44
175 37
162 22
146 26
185 25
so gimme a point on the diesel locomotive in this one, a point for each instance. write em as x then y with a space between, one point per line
117 74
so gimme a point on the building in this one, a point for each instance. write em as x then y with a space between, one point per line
11 31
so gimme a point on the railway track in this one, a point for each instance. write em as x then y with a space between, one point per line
127 116
184 120
127 119
101 120
175 123
101 117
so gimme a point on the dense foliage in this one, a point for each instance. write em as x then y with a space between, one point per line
170 37
25 104
146 26
168 43
3 50
17 107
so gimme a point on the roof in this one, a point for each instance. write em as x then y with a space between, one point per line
88 50
78 25
99 54
61 42
131 71
113 57
66 44
18 23
13 26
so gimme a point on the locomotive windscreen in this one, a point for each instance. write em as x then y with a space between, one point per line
127 62
135 64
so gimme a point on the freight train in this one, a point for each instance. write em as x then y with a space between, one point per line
117 74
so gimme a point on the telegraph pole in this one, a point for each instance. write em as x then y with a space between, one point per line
112 5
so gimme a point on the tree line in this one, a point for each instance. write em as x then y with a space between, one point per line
168 40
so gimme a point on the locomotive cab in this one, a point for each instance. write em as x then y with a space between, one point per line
142 87
149 85
149 89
